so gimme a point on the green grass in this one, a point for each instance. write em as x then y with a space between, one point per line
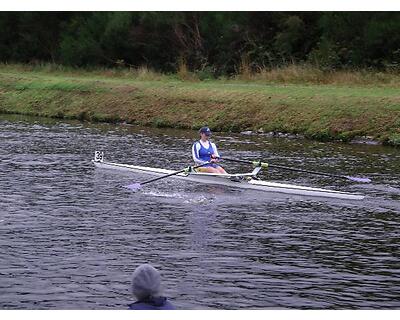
62 86
319 111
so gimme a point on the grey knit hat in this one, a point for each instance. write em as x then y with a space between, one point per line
146 282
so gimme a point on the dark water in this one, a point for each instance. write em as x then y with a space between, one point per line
70 236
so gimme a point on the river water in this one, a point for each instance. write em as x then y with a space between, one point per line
70 235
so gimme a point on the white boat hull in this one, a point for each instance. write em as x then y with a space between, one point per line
225 180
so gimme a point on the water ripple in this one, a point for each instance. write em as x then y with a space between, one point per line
70 235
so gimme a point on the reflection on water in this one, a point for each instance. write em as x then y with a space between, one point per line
71 236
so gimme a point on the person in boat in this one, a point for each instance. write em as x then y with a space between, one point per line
146 287
206 151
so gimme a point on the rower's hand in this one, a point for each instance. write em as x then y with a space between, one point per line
214 158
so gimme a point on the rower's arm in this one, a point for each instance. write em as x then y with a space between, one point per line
215 150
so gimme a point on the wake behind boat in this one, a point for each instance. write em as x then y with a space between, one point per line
240 180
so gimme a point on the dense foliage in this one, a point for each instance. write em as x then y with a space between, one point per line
213 43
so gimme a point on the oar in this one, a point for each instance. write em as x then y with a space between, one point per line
136 186
266 165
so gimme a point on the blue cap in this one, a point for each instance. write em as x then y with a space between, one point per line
206 131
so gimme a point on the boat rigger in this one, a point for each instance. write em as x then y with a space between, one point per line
241 180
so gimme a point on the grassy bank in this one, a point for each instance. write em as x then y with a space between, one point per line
335 107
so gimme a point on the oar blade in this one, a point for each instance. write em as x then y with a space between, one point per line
357 179
134 187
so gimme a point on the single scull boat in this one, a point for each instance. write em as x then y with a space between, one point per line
241 180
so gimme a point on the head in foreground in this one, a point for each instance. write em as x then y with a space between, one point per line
146 287
146 282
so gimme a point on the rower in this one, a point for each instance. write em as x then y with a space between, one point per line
206 151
